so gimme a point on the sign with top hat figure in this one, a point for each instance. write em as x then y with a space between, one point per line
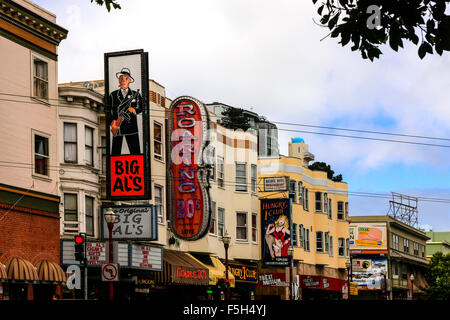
127 125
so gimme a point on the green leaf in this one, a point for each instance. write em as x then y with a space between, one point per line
422 51
333 21
319 11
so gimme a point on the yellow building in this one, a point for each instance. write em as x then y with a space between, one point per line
319 226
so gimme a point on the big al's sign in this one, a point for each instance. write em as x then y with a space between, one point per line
127 125
188 175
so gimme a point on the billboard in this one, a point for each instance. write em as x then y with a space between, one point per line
276 228
127 125
368 273
367 236
188 173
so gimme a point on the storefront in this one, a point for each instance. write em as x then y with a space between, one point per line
246 279
321 288
272 285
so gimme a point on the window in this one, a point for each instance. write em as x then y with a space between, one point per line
325 202
327 242
340 210
294 235
157 141
406 245
319 241
300 193
346 211
347 247
103 148
341 247
254 177
416 249
395 269
220 172
212 162
306 199
241 177
293 190
330 209
41 155
40 79
423 251
212 229
241 226
318 201
307 240
89 214
254 227
70 207
331 247
302 236
89 146
70 142
220 222
395 241
159 207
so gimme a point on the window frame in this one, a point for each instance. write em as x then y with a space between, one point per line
316 208
242 185
220 172
88 147
73 211
254 178
341 246
220 223
213 219
89 216
45 156
395 242
320 248
156 156
34 77
294 235
255 227
340 213
66 143
306 198
159 205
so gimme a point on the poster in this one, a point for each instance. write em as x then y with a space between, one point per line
188 173
368 273
127 125
276 230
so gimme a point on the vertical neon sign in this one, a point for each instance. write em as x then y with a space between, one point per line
188 175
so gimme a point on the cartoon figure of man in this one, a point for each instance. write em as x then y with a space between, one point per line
125 104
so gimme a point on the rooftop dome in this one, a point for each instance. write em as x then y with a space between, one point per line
297 140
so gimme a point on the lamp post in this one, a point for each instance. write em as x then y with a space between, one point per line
348 265
290 252
411 277
226 243
110 218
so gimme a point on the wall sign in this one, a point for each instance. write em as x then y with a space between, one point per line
275 224
146 257
275 184
243 273
132 223
127 125
188 174
276 279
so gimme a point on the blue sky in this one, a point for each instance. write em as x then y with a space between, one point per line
268 56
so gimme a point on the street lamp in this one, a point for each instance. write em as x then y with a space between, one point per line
110 218
226 243
411 277
290 252
348 265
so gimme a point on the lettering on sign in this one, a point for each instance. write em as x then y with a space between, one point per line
199 274
189 174
243 273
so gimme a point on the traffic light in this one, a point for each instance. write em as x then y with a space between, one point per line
80 245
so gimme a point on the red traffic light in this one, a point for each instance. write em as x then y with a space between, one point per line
79 239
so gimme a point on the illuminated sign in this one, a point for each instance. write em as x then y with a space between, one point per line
127 125
188 174
243 273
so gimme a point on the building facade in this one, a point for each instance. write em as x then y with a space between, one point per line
319 225
29 197
439 242
385 253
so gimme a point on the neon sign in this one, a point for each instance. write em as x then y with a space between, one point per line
189 203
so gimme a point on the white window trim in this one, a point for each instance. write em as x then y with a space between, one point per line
34 174
161 142
32 94
246 226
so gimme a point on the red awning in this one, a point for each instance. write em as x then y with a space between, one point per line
322 283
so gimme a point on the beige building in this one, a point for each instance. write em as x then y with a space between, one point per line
29 179
319 227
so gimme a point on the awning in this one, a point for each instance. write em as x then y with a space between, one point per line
181 268
21 269
408 258
50 272
3 274
216 271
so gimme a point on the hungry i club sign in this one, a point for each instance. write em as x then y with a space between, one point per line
188 175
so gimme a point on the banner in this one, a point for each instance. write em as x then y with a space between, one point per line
188 173
275 224
127 125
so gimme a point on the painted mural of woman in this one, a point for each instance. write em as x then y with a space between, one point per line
278 237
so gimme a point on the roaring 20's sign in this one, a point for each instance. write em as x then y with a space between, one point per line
188 174
127 125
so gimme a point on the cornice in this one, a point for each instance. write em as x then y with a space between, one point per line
31 22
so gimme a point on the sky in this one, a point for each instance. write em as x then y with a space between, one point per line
271 57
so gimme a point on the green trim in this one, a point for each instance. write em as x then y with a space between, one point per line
28 201
28 45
